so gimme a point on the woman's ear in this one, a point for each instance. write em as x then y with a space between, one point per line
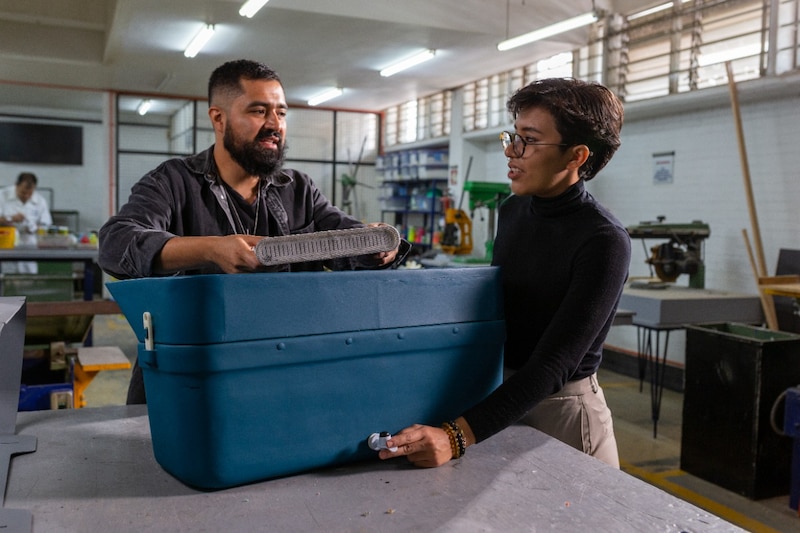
579 154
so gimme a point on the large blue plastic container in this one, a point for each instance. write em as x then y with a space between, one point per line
264 375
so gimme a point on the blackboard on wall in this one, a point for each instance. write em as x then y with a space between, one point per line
26 142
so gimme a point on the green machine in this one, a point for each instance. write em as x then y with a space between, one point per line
681 254
490 195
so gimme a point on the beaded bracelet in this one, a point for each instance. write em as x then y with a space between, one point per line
458 442
460 439
453 444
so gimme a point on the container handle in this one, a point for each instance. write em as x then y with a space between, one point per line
147 320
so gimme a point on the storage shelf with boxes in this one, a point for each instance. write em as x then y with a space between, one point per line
414 182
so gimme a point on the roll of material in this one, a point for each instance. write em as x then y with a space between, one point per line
324 245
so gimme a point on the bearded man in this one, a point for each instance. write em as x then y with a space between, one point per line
204 214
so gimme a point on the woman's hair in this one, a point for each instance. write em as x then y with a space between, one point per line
584 113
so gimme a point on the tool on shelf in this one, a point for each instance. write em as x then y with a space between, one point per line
681 254
457 235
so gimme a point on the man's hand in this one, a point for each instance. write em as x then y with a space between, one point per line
13 219
379 259
231 253
234 254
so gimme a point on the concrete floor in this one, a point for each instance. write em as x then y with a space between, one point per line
655 460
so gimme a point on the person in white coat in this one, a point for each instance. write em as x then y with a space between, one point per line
25 209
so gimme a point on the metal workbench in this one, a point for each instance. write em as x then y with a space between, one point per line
87 256
94 470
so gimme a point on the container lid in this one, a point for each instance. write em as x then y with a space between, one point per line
238 307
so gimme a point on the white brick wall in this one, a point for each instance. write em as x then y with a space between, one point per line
709 186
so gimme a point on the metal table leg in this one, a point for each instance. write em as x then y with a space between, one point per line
652 356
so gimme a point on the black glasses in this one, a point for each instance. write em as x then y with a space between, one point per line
518 143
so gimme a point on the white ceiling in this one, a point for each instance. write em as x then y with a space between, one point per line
137 45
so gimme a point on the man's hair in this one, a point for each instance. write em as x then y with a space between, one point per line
28 178
584 113
225 80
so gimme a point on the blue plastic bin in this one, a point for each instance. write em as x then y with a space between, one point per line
41 387
265 375
39 397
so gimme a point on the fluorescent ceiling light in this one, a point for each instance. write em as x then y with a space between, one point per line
144 106
251 7
548 31
650 11
408 62
324 96
199 40
655 9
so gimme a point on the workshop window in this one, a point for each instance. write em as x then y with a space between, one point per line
433 116
325 144
390 126
181 130
685 48
468 106
787 37
557 66
496 99
640 55
407 122
484 103
401 124
481 104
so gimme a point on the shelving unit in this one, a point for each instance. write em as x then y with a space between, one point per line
414 182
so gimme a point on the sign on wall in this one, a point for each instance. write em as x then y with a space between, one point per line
663 165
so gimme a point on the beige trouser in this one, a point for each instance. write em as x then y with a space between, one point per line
579 416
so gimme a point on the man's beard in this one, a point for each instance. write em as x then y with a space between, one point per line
254 159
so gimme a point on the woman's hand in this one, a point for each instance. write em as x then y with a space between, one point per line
424 446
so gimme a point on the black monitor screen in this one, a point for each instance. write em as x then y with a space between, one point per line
23 142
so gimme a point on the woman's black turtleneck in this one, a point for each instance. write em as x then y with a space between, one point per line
564 262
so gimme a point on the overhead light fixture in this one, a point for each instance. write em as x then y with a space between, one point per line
144 106
199 40
408 62
251 7
324 96
549 31
652 10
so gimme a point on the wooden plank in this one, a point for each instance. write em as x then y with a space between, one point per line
790 290
784 278
77 307
93 358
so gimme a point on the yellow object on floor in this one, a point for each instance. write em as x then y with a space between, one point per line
90 361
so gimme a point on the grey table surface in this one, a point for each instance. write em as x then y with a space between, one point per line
674 307
94 470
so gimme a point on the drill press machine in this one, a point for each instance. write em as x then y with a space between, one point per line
482 194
